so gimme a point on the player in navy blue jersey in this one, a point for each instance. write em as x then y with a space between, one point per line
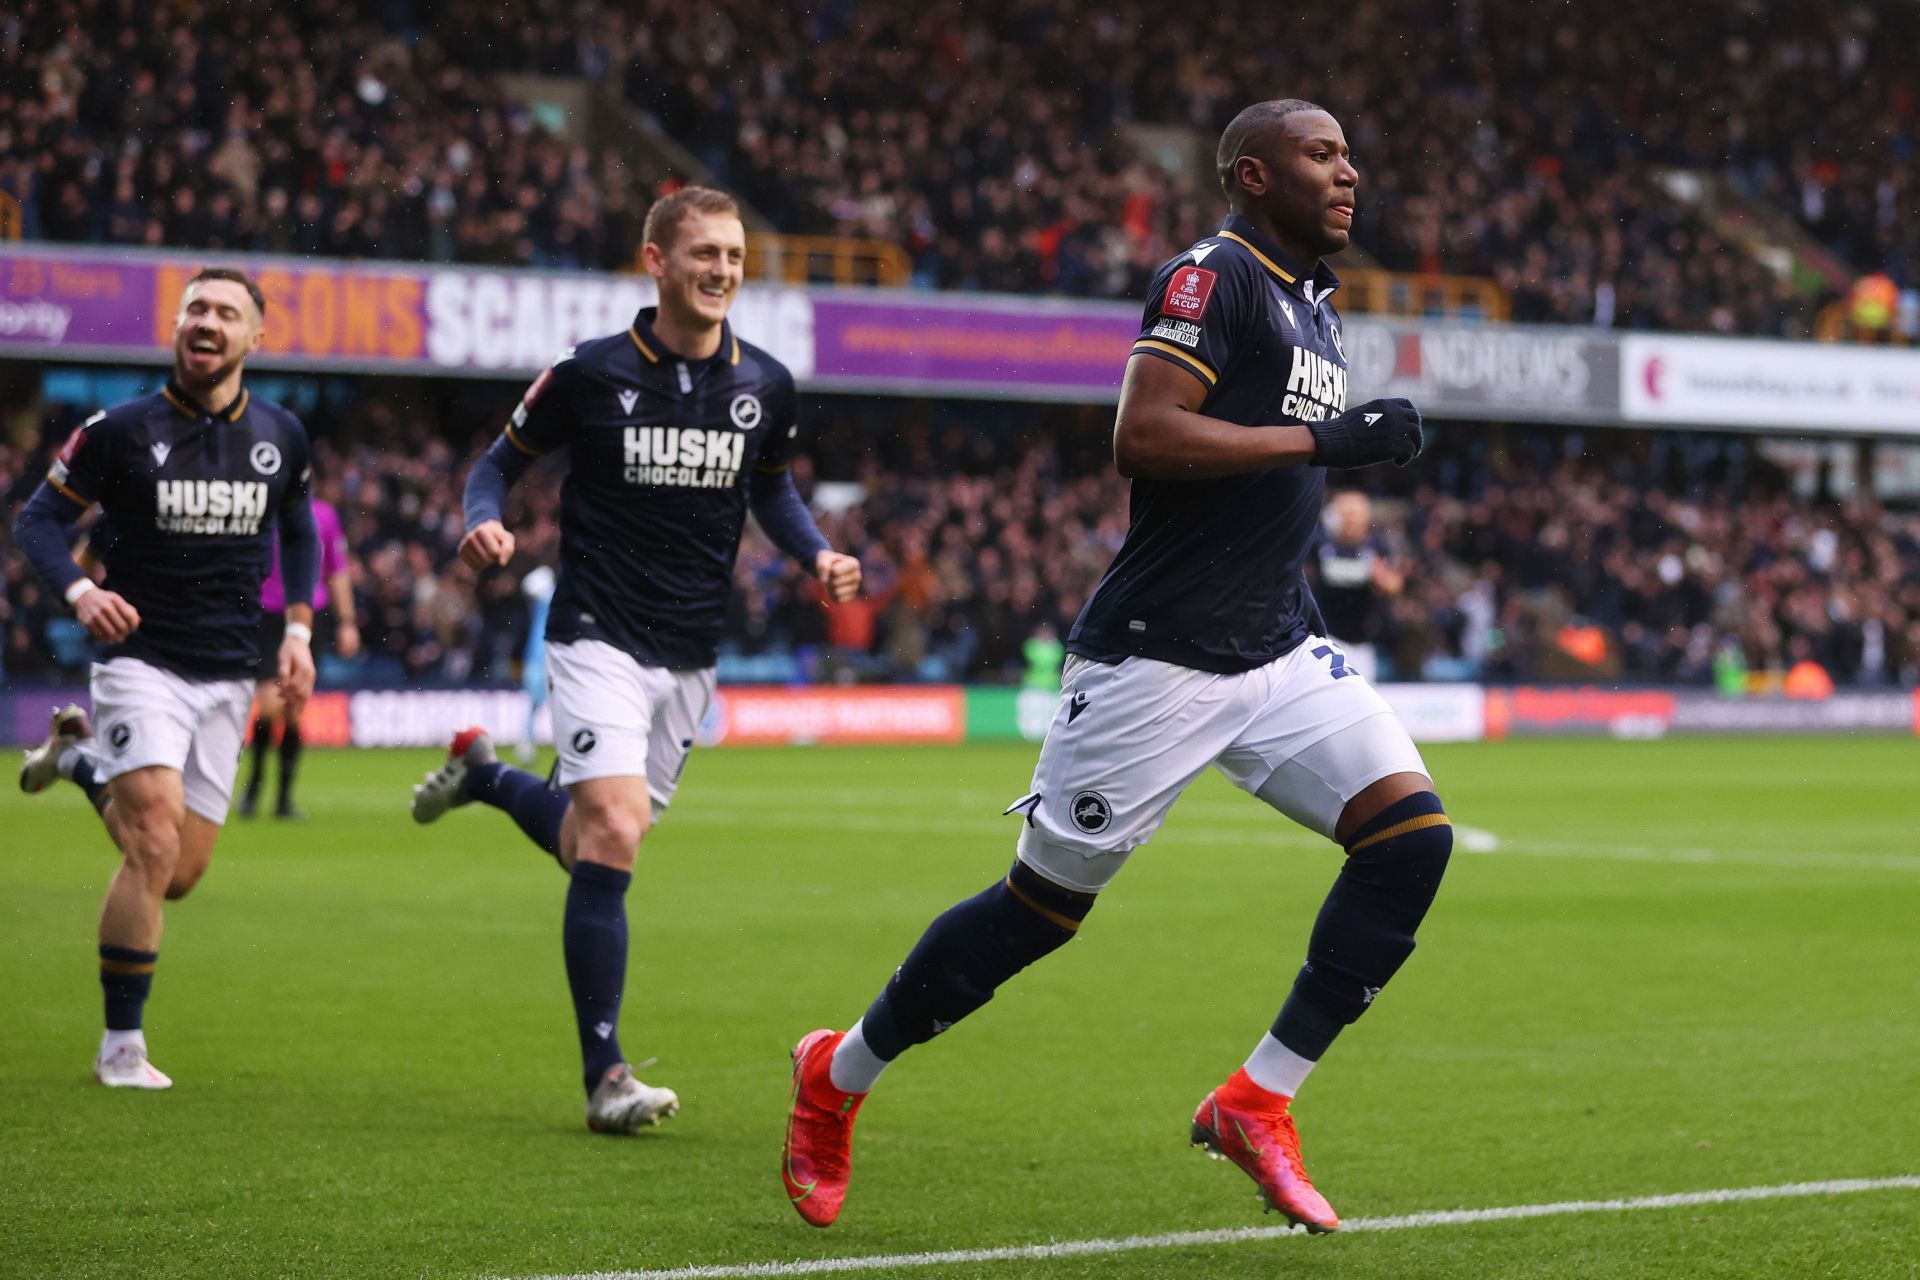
195 479
1200 647
677 429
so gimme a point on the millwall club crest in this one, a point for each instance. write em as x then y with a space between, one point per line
745 412
1091 812
265 458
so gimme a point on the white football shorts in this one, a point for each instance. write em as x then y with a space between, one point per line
144 715
1305 733
615 718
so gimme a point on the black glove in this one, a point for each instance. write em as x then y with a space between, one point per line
1377 431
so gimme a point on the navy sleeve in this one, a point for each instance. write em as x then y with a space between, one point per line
543 420
41 533
541 423
1195 315
777 506
783 412
494 472
299 552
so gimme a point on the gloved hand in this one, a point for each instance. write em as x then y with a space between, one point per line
1377 431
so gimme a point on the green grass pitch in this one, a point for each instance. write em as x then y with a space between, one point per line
1690 965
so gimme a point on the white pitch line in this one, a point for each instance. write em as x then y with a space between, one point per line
1242 1235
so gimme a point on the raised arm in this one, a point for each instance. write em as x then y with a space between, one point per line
1161 434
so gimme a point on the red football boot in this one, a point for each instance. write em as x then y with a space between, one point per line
819 1147
1244 1123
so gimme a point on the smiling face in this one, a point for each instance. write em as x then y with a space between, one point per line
1298 179
217 329
699 268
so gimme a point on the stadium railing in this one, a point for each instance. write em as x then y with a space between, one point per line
1403 293
836 260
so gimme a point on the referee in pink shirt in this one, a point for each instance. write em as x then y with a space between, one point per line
335 585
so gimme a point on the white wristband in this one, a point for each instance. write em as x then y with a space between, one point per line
80 587
298 631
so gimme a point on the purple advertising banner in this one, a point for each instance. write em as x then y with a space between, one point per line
118 305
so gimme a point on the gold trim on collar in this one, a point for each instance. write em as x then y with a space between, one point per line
1265 261
645 350
229 414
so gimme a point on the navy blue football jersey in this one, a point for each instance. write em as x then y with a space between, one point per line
1210 574
193 497
656 491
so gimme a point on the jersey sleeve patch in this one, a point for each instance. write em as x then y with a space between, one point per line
540 384
63 461
1188 293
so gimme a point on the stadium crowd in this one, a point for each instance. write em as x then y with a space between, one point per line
310 129
1542 556
986 138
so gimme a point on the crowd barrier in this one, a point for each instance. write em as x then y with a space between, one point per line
758 715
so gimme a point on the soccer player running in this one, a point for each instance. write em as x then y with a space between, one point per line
270 710
677 429
194 479
1200 646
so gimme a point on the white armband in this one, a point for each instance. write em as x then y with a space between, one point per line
298 631
79 588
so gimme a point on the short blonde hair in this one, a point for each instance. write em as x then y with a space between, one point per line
668 215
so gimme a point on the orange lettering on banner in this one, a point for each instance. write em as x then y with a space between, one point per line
169 280
361 335
403 336
282 333
319 314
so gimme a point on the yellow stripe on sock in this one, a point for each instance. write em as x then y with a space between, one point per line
1420 823
128 967
1065 922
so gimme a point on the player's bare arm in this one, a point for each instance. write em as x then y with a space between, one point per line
296 671
1160 433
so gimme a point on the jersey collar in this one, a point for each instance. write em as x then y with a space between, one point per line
1317 285
177 397
652 350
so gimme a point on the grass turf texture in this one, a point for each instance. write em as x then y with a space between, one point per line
1690 966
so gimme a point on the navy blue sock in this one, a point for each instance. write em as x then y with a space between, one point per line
1365 929
527 799
126 976
595 936
968 952
88 781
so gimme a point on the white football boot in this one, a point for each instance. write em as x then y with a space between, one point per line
127 1068
622 1104
446 787
40 767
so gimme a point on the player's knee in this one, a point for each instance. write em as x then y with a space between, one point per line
609 829
1410 839
974 947
151 843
